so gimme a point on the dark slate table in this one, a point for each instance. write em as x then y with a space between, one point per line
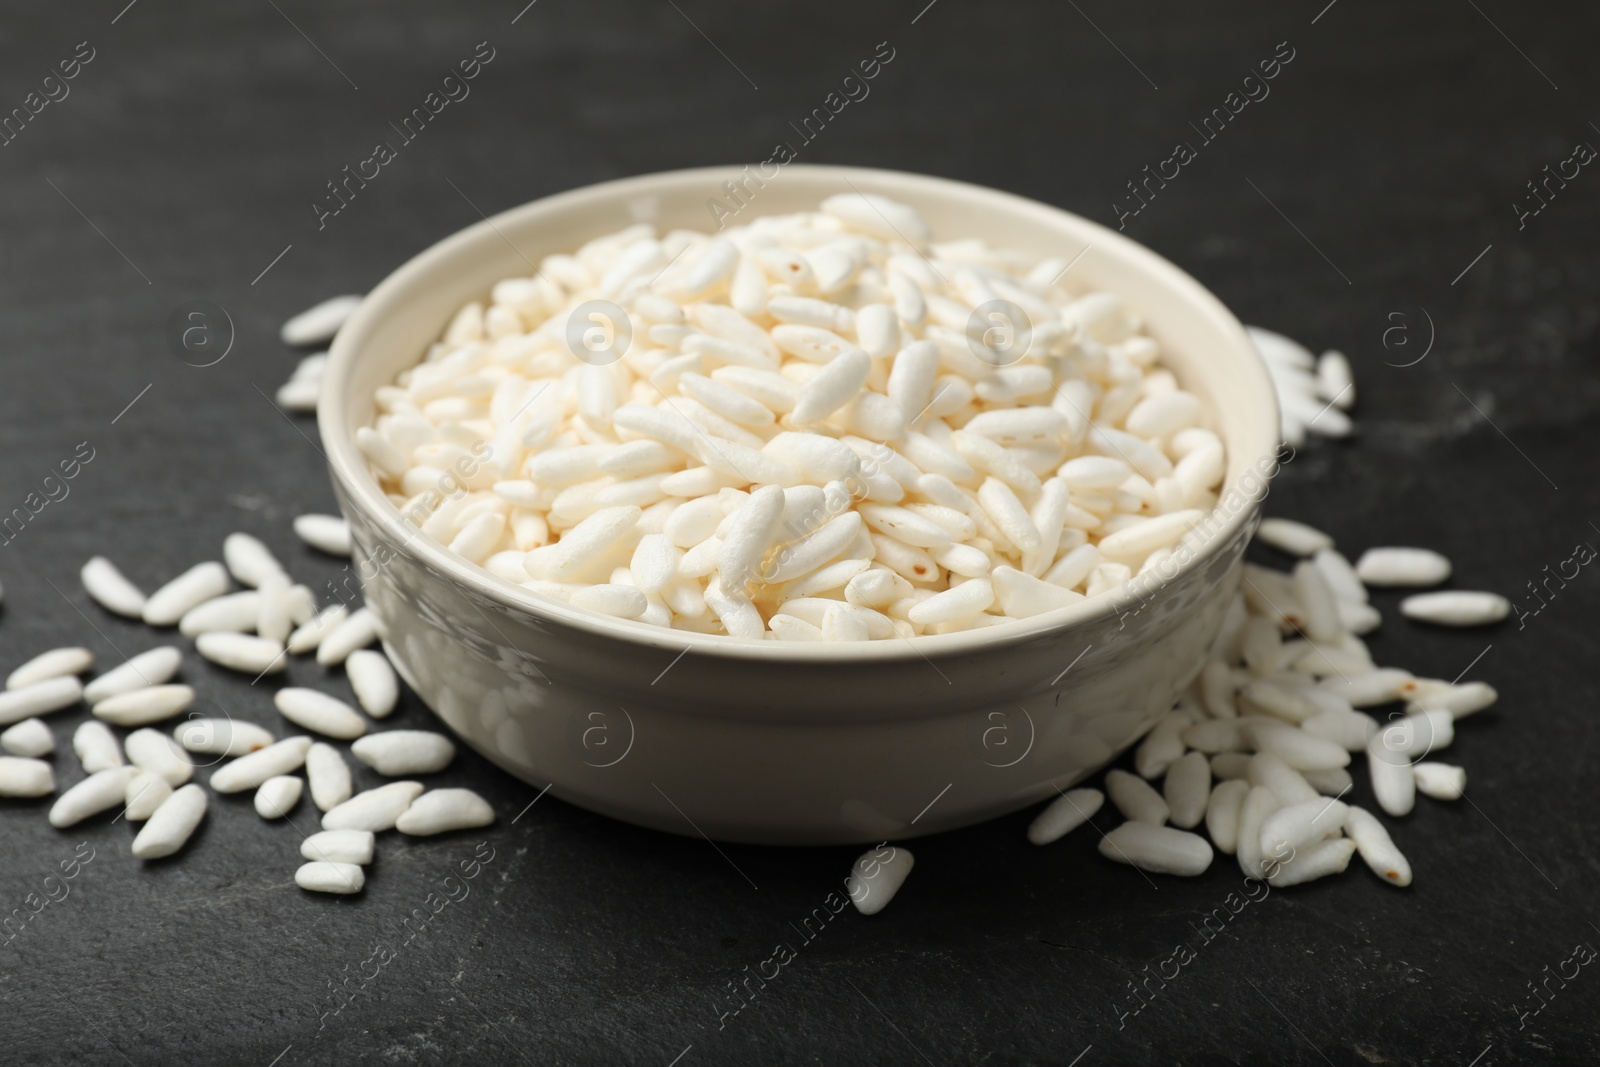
1373 202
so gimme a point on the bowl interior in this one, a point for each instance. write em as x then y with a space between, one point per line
1203 344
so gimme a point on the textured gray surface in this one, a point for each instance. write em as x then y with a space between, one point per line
195 141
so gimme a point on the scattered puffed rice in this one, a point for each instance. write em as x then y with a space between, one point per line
400 752
1316 861
277 796
339 846
195 586
1135 799
52 664
325 533
320 876
1335 383
1377 848
158 754
1456 608
147 668
222 737
375 810
1459 700
1064 814
874 878
99 792
1402 566
1258 804
299 394
1296 827
140 707
442 810
1295 538
108 588
231 613
248 772
1222 814
145 793
359 630
1441 781
319 712
376 687
40 698
317 324
96 746
25 777
272 621
169 828
30 738
245 653
308 635
1157 849
1188 790
1393 782
328 775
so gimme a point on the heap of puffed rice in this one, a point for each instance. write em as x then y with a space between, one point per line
820 426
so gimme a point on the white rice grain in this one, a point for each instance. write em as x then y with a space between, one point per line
395 753
1393 782
97 747
276 797
1064 814
321 876
249 771
1135 798
1293 538
53 664
375 810
108 588
1441 781
875 878
202 582
30 738
328 776
441 811
40 698
1402 567
1316 861
245 653
1157 849
1376 847
317 324
320 713
339 846
1456 608
172 824
1187 790
376 686
25 777
1222 814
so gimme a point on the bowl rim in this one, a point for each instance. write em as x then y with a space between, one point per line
350 471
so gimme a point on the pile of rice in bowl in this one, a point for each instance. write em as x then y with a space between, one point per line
815 427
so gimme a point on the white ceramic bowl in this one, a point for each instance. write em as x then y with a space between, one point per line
783 743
